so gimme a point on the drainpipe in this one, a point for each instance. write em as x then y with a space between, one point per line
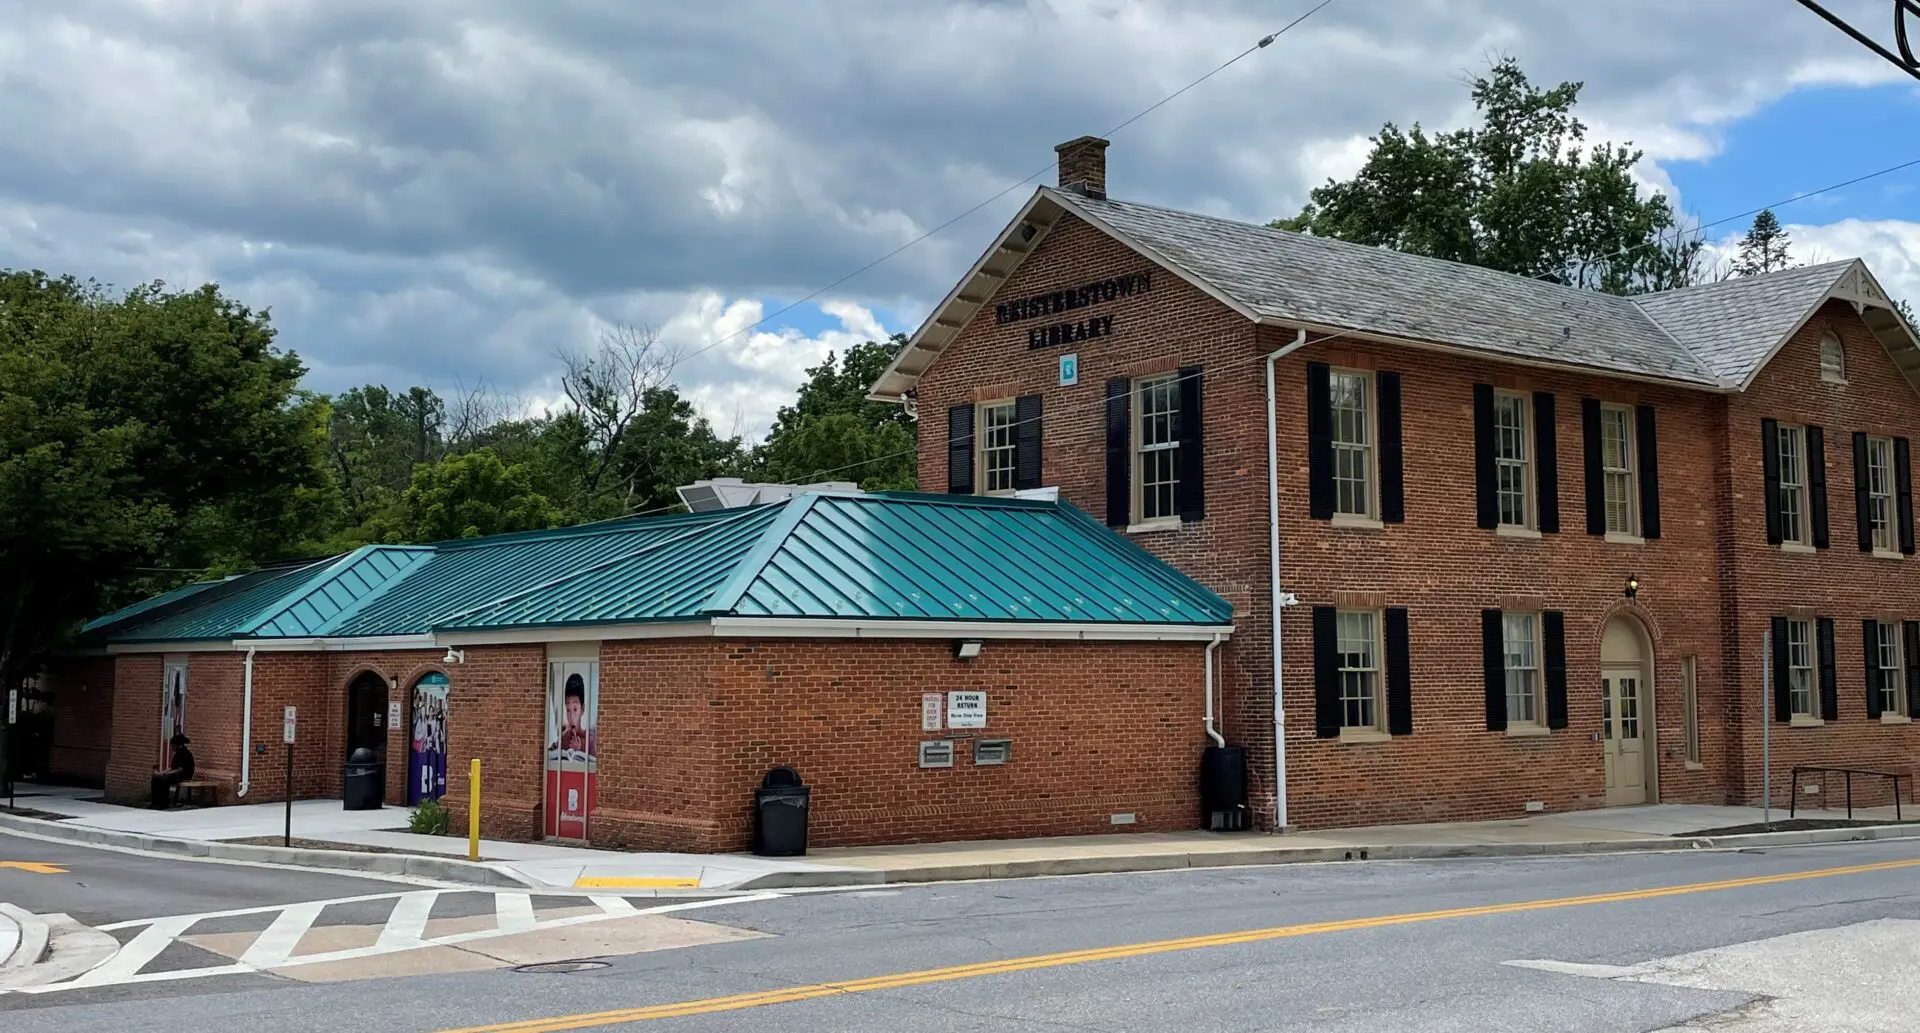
1211 734
246 727
1277 600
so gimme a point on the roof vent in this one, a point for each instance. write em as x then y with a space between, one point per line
733 493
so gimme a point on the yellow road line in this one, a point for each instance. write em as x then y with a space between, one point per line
636 882
737 1002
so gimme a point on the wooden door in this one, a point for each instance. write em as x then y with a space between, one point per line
1623 735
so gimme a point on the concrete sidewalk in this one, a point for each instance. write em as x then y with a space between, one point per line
213 832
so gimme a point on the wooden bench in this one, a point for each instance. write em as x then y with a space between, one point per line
187 792
1896 774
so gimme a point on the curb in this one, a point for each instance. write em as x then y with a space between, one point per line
34 937
1265 856
443 869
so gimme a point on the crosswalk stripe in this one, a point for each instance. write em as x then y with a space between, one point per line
615 905
278 942
143 948
408 921
515 911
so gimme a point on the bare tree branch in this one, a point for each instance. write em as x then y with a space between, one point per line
608 388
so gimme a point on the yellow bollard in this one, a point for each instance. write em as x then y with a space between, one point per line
473 811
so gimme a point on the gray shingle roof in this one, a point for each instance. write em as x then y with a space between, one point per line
1714 335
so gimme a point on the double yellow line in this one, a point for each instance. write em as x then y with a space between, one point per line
807 992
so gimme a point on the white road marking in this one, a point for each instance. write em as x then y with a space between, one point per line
133 923
514 911
137 952
408 922
1575 968
277 944
615 905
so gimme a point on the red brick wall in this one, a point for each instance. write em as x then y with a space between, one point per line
1840 582
82 719
136 725
1438 564
660 741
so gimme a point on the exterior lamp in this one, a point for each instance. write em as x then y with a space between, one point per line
967 650
1633 586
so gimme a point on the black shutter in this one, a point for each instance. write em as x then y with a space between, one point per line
1817 484
1770 473
1119 452
1862 493
1399 673
1319 441
1911 631
1829 678
1870 638
1191 489
1026 443
1326 672
1486 492
1782 698
1649 455
1903 484
1553 632
1493 668
1546 463
1596 484
960 450
1393 482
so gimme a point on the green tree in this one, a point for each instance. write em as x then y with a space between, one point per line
1764 248
375 439
833 432
1906 313
468 496
1521 192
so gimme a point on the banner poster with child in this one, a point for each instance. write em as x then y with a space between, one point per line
573 705
427 762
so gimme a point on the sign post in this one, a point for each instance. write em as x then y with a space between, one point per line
13 716
473 811
1766 728
286 736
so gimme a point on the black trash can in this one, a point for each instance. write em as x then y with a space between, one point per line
780 814
360 781
1223 788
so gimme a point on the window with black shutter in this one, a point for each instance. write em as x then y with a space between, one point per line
960 450
1862 491
1326 672
1648 456
1399 673
1782 688
1486 491
1026 443
1903 487
1829 676
1817 484
1493 664
1546 464
1910 633
1870 647
1191 490
1595 473
1319 441
1553 633
1393 506
1119 452
1770 475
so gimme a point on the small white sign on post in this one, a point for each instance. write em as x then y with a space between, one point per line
13 705
966 709
930 712
393 714
286 726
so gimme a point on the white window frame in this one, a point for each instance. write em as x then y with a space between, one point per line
1881 506
1520 652
988 451
1791 442
1833 359
1160 456
1355 462
1363 703
1803 687
1690 708
1893 679
1513 464
1623 475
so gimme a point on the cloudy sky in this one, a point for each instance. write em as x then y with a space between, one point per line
443 192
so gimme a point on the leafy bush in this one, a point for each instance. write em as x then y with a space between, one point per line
428 819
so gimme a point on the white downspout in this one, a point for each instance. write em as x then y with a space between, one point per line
1277 600
246 727
1218 740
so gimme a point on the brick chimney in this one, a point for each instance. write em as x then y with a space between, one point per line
1083 166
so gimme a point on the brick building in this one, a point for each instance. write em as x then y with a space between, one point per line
934 667
1550 549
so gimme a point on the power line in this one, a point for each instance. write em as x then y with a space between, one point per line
1905 60
1261 44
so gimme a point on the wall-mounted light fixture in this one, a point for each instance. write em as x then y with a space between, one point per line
1633 586
966 649
454 656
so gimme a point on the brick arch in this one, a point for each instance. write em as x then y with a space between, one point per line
1656 638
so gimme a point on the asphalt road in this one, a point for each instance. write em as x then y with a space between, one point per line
1362 946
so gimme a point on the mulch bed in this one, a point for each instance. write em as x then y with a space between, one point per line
1797 825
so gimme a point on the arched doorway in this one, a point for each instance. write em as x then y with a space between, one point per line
1626 709
366 715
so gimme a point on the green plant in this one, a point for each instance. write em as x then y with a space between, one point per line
428 819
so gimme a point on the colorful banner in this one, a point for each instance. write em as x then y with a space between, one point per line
573 706
173 711
427 764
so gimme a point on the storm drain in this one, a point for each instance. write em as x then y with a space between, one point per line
548 968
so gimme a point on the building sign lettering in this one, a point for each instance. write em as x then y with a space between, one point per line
1057 302
1089 329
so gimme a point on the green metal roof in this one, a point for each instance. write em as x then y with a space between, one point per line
893 556
147 606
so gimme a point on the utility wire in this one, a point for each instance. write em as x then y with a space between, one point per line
1905 60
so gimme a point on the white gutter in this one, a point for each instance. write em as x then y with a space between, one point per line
1277 600
1218 740
246 728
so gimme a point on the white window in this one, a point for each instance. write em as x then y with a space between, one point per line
1800 668
1690 707
1833 359
997 450
1880 493
1359 647
1617 469
1523 668
1891 682
1513 460
1352 443
1156 470
1793 485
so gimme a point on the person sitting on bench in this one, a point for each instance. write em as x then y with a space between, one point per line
181 771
